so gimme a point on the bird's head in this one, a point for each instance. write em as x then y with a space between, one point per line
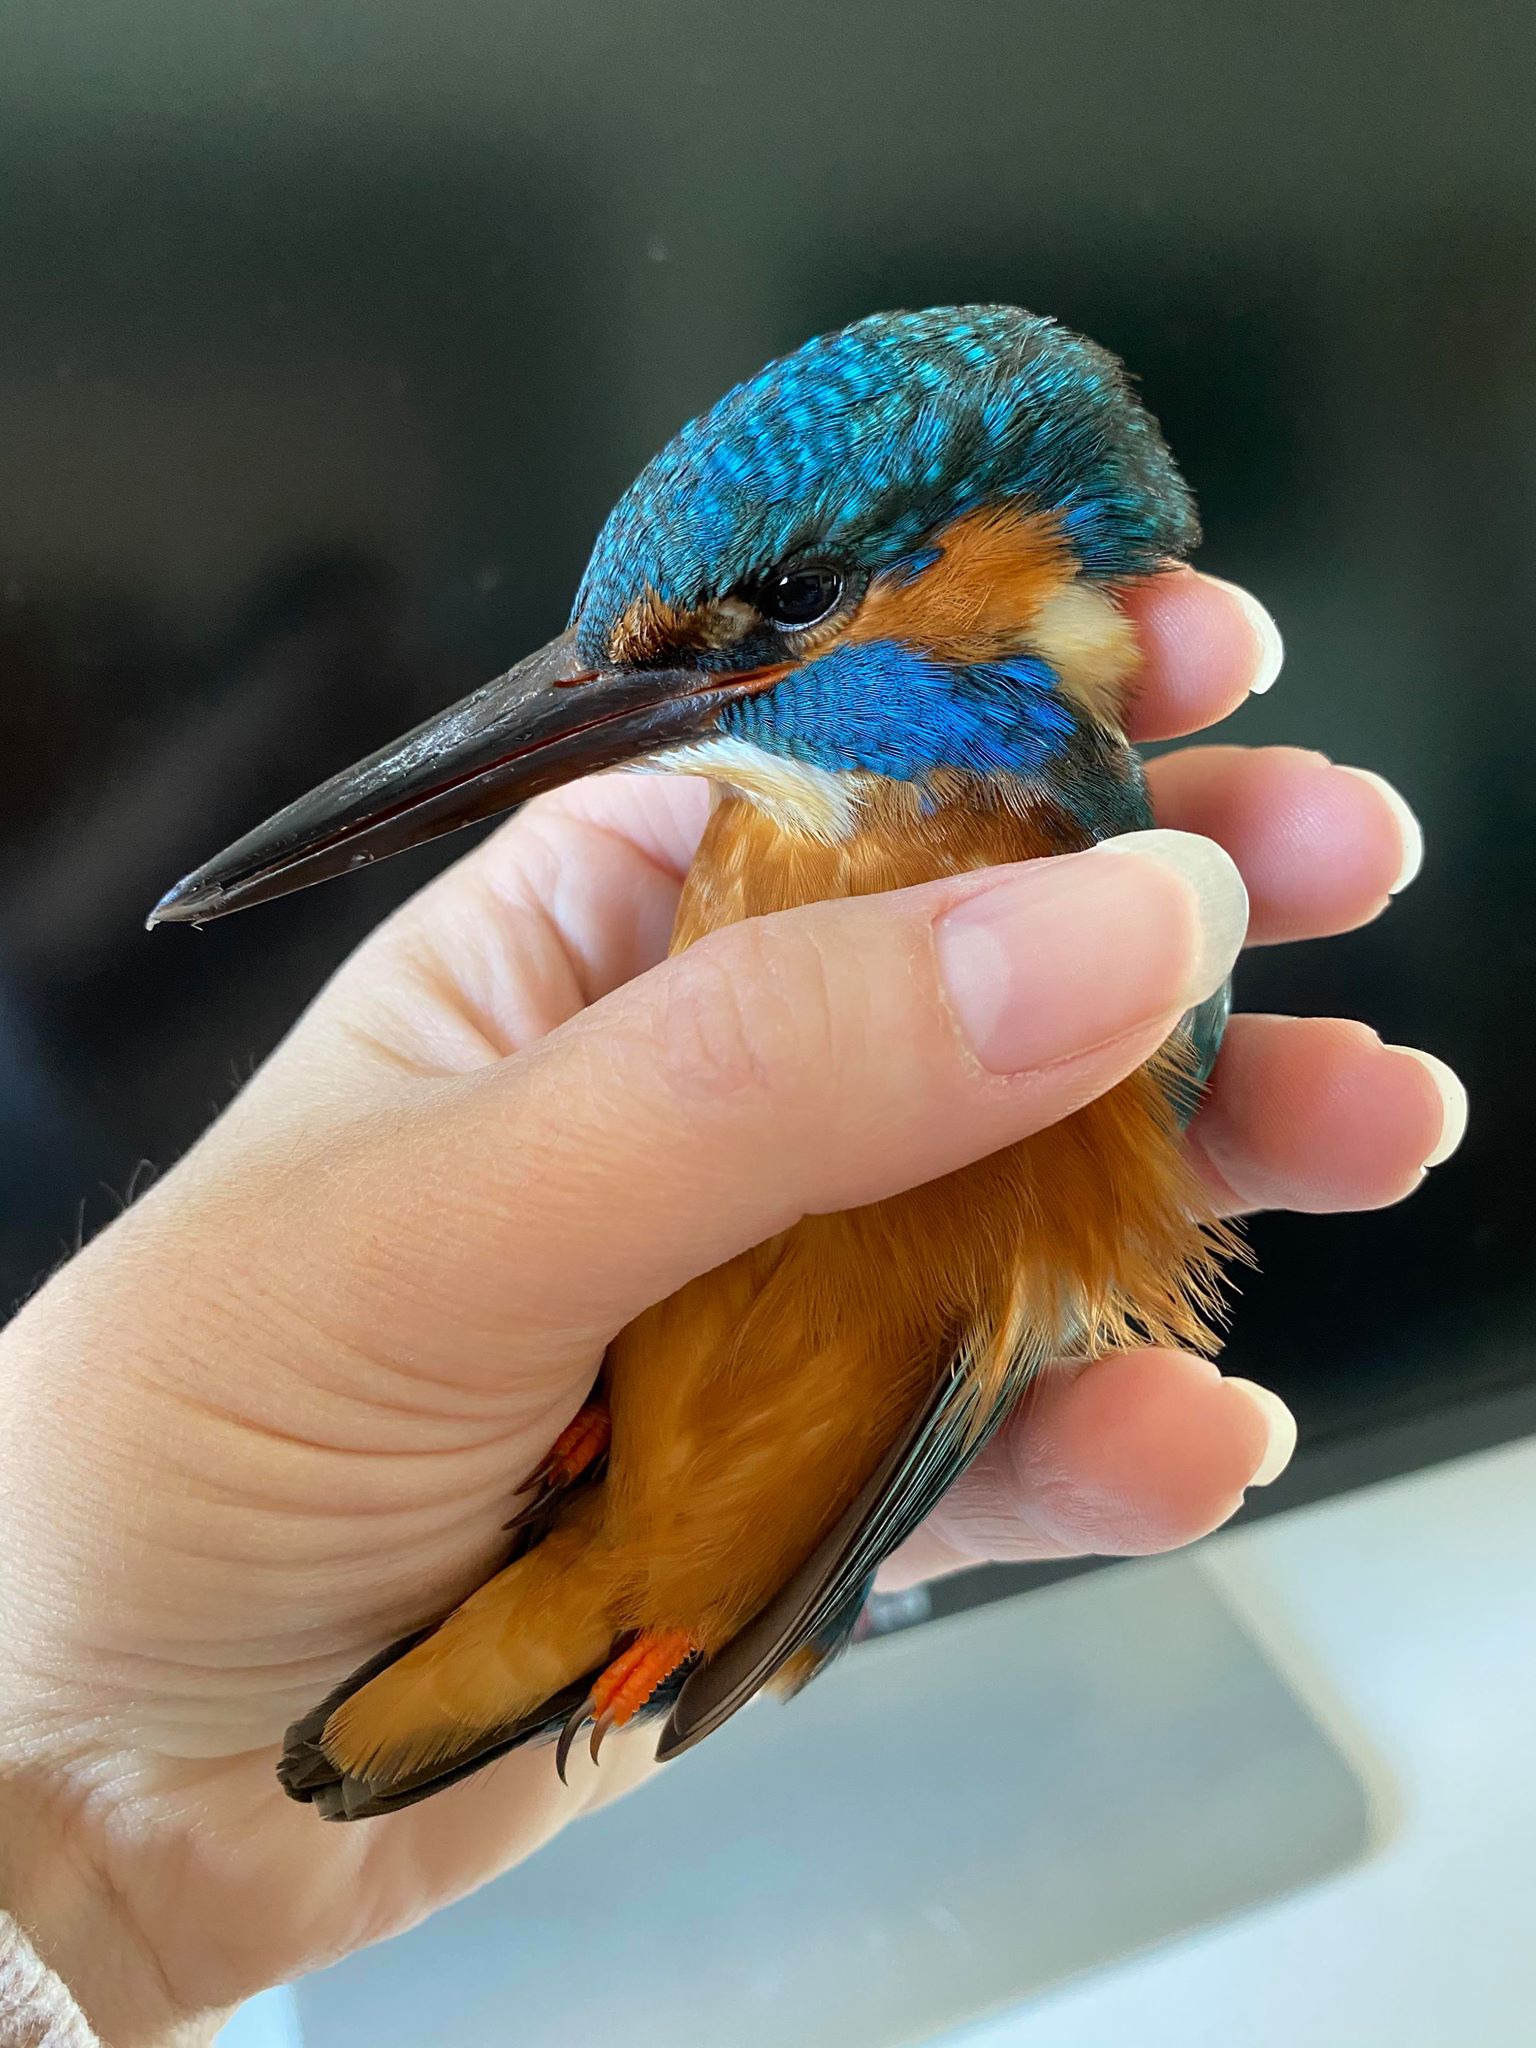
889 555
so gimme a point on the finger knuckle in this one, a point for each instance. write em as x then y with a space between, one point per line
749 1016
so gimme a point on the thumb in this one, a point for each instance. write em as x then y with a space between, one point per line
812 1061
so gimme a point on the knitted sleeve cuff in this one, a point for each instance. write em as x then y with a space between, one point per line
35 2009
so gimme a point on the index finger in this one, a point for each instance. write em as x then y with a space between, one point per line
1207 645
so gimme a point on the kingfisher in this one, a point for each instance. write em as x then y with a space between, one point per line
873 595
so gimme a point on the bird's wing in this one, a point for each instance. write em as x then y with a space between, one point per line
1204 1028
814 1612
819 1603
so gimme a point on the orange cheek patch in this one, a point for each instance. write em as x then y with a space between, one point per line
996 568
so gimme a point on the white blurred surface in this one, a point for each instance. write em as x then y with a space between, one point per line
950 1820
1403 1617
1407 1613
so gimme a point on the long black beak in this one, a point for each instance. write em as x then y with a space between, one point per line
544 722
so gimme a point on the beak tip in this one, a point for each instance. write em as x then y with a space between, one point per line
523 732
185 904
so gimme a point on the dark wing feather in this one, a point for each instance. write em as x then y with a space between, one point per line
821 1600
814 1613
1204 1027
812 1658
818 1606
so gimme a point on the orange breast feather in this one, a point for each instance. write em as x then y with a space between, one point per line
748 1410
750 1407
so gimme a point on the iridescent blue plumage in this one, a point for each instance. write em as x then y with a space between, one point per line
863 441
988 719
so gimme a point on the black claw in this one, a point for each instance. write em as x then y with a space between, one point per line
574 1722
548 1492
539 1505
600 1728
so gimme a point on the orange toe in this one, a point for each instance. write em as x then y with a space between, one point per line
623 1689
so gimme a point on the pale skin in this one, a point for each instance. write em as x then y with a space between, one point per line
273 1416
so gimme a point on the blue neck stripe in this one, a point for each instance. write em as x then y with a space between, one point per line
893 710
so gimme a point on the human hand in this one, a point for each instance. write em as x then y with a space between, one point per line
275 1415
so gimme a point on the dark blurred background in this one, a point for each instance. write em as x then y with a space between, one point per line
328 334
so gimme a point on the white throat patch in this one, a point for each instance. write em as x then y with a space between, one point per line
795 794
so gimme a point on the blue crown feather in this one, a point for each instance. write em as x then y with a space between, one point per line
862 443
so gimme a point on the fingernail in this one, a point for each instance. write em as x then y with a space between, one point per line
1409 831
1453 1102
1269 648
1221 901
1279 1430
1054 957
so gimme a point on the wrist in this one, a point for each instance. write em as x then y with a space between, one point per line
57 1890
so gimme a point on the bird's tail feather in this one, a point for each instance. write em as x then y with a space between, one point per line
503 1669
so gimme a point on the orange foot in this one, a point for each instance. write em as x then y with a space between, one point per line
574 1452
625 1686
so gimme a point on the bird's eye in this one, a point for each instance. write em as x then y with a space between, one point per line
798 596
